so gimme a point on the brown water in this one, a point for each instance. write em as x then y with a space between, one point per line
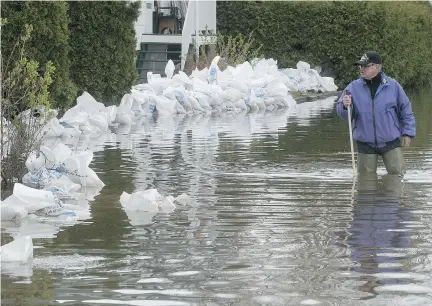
275 219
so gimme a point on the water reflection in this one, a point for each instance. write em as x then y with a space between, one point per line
378 232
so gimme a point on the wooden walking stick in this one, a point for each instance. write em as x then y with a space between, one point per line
351 136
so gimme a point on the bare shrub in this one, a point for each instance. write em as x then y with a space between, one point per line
25 108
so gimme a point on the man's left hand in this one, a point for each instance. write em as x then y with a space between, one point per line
406 140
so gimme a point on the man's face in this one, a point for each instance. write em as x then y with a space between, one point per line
369 71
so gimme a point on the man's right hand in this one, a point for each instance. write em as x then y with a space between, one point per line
347 101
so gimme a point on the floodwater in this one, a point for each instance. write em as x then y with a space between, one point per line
275 219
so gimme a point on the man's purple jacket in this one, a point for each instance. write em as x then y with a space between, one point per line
382 119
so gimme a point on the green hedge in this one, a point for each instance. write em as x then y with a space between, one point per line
103 47
48 42
335 34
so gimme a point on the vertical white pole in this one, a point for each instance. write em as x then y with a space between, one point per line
196 31
351 142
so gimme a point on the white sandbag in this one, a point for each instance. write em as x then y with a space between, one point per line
203 101
20 250
244 71
12 212
181 79
46 157
63 182
29 198
78 170
196 106
137 107
240 85
240 104
126 102
110 113
303 66
141 201
179 94
53 128
159 84
70 131
61 152
123 118
75 117
328 84
86 128
179 108
92 179
265 66
200 74
99 120
232 95
32 162
86 103
142 87
213 71
169 69
258 100
165 106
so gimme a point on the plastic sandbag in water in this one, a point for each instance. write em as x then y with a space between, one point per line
75 117
200 74
257 99
183 80
99 120
61 152
86 103
46 159
328 84
12 212
165 106
196 106
29 198
70 131
244 71
123 118
141 201
21 249
110 113
213 71
159 84
203 101
78 170
169 69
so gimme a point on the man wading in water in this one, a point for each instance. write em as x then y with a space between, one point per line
381 114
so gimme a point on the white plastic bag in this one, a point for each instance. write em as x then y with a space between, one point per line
169 69
21 250
141 201
29 198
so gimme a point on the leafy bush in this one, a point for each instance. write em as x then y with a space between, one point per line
103 47
48 42
334 34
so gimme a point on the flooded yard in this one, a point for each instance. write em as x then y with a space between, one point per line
275 219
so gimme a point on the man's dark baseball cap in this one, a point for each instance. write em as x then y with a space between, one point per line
370 57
